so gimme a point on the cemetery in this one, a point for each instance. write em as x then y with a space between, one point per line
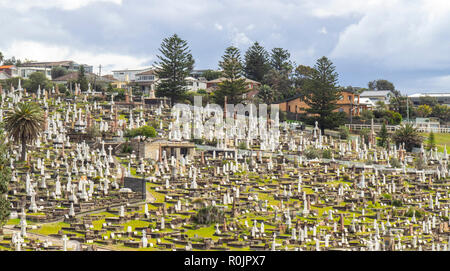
252 183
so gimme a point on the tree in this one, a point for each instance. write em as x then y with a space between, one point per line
381 84
58 72
12 61
344 132
279 76
393 118
301 75
24 124
424 110
36 80
82 80
5 177
408 135
211 74
431 141
176 63
1 57
267 94
234 85
279 60
256 62
367 115
441 111
384 136
208 215
147 131
399 104
322 94
428 100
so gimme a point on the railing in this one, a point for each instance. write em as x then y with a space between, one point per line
392 128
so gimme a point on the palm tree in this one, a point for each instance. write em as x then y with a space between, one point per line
409 135
24 124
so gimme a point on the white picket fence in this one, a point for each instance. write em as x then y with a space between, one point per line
377 127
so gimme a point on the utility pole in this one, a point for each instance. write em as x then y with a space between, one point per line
407 107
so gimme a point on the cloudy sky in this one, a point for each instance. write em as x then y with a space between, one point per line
404 41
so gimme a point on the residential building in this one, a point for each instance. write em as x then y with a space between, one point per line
68 64
349 103
194 84
441 98
10 70
26 71
213 84
73 76
147 80
378 95
127 75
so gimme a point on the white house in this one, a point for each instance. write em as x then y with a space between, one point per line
25 72
378 95
127 75
194 84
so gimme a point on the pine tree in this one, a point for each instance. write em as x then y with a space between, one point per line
279 60
431 141
5 177
176 63
384 136
234 85
82 80
322 94
278 77
256 62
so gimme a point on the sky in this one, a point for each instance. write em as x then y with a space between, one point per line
404 41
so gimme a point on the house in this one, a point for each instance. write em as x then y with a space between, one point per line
68 64
441 98
194 84
349 103
127 75
25 71
147 80
10 70
213 84
378 95
73 76
4 75
367 103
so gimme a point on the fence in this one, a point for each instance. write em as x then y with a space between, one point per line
392 128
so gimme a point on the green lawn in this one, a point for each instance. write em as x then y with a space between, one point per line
440 139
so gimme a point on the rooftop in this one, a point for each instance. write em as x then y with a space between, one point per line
377 93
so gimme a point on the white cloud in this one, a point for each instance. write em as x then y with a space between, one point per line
46 52
218 26
239 38
26 5
399 35
323 30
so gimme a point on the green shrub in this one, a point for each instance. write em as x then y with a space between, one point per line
127 148
312 153
326 154
395 163
242 145
147 131
344 132
208 215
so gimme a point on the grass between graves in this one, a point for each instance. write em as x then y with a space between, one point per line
51 228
